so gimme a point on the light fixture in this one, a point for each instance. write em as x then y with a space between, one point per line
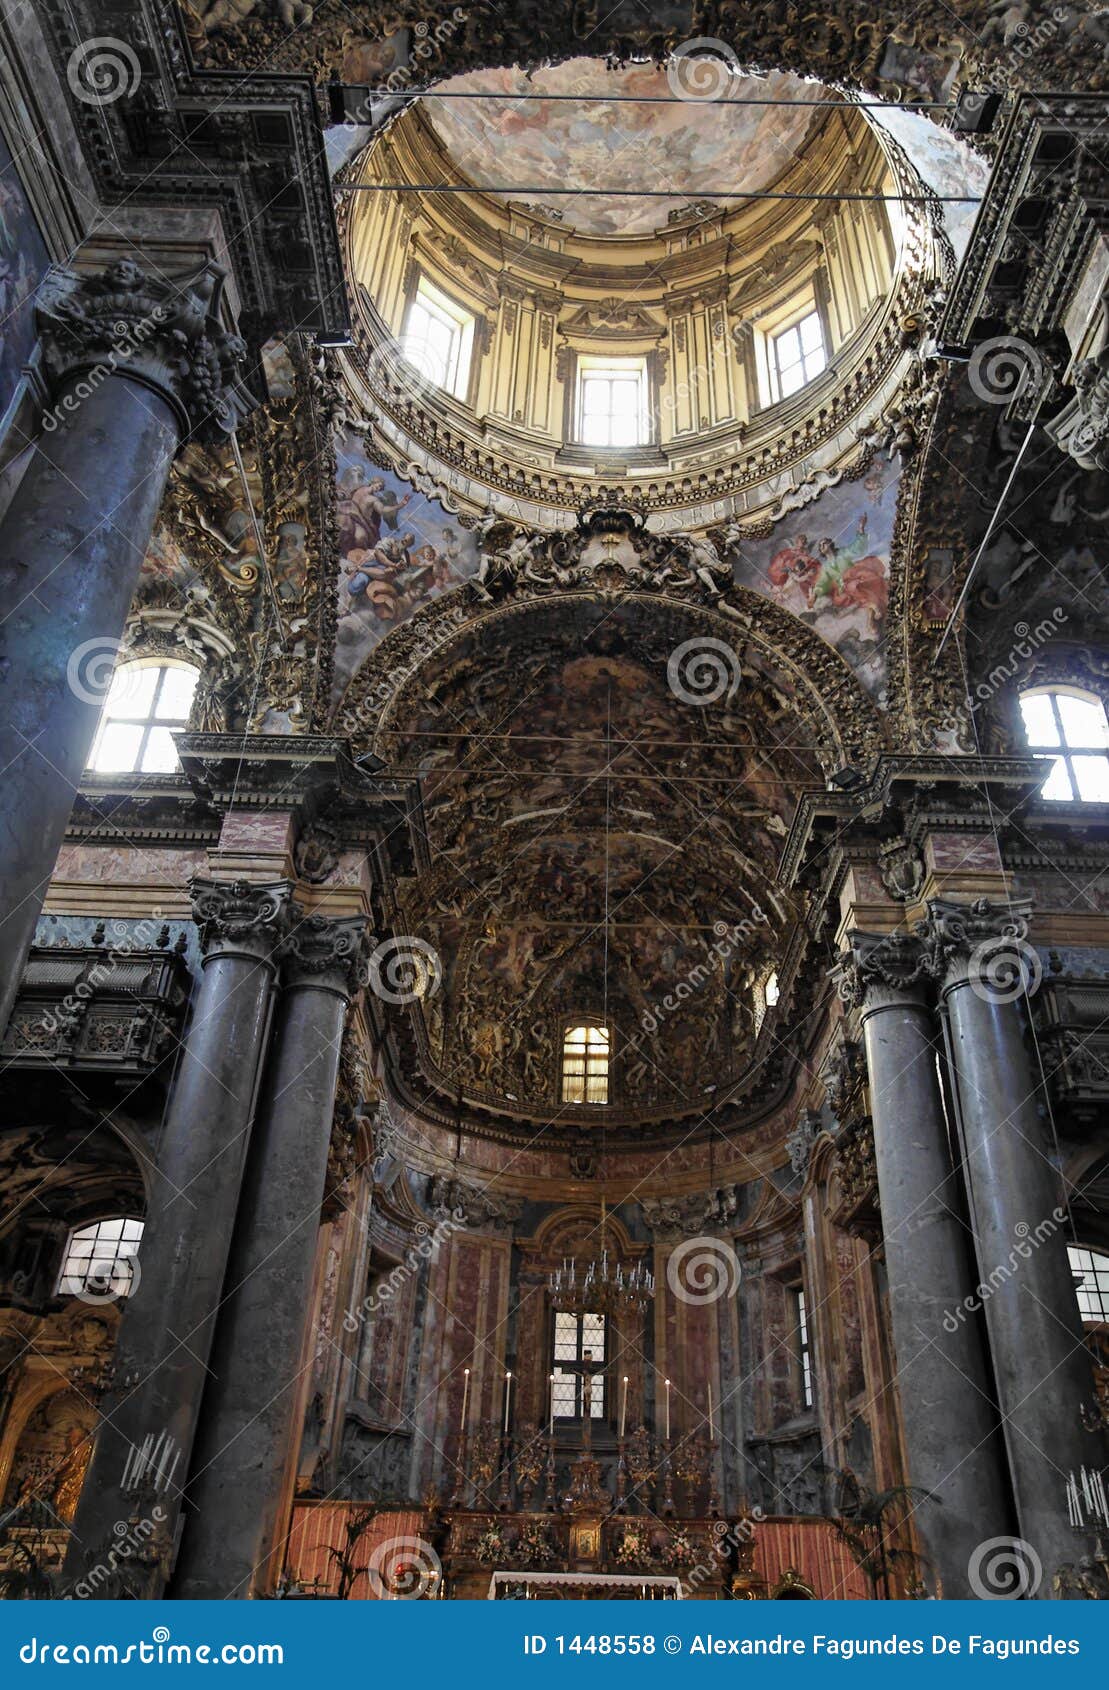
601 1285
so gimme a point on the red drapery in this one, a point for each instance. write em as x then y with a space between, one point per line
809 1547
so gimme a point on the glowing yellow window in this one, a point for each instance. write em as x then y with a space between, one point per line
585 1052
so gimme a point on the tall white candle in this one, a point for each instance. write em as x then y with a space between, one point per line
465 1396
624 1407
507 1397
552 1404
668 1409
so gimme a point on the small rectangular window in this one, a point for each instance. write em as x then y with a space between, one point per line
804 1346
585 1054
438 339
797 355
612 402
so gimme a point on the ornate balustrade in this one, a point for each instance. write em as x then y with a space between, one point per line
99 1010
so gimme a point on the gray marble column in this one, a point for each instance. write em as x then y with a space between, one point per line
949 1418
132 368
142 1450
243 1469
1041 1364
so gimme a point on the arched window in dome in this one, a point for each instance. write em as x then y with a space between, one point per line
438 338
99 1260
585 1060
147 703
1068 729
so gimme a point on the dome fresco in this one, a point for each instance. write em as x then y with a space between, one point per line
560 143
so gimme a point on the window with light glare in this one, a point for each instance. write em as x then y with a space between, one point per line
1068 730
146 704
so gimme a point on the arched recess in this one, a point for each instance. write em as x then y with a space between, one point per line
502 708
806 673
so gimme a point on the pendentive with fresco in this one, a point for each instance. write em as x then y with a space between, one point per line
559 1048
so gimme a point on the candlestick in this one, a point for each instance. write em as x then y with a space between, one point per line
465 1396
712 1424
624 1407
668 1408
507 1397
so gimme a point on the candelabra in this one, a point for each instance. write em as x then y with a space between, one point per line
667 1507
549 1490
601 1285
621 1479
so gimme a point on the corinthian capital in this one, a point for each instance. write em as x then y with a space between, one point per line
165 334
896 961
961 929
986 944
236 914
329 952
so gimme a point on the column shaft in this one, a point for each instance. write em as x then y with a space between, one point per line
133 365
149 1418
1041 1363
242 1475
71 548
947 1411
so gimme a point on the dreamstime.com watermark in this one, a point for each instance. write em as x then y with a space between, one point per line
703 69
139 936
130 1538
703 671
388 1288
130 340
102 70
430 641
404 1569
702 1270
1028 1241
727 941
1028 640
404 969
1005 1569
159 1651
737 1536
426 42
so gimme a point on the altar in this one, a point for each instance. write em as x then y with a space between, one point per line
577 1587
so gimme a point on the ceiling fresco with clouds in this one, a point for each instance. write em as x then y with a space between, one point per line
551 144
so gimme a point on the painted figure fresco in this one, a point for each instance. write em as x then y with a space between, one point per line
829 565
398 549
565 143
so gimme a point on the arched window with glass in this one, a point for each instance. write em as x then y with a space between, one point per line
146 704
100 1259
1068 728
1091 1283
586 1050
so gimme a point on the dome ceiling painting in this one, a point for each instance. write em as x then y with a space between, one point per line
567 142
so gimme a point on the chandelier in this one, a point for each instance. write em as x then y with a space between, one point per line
601 1284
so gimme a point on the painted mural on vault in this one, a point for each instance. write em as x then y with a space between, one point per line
398 549
23 258
561 143
829 564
